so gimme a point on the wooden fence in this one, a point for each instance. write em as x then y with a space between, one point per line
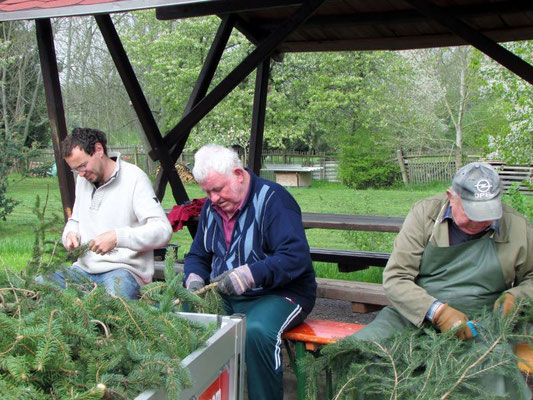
427 168
424 168
136 155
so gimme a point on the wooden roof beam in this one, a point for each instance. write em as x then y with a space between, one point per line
476 39
403 16
203 9
199 91
399 43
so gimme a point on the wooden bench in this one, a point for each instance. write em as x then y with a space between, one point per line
350 260
364 296
312 334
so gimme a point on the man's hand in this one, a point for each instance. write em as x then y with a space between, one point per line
73 240
235 281
448 318
103 243
506 302
194 282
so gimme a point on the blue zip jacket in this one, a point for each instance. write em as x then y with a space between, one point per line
268 236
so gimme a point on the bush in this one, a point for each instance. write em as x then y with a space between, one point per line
518 201
7 204
362 165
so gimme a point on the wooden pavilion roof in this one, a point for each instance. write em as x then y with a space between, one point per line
335 25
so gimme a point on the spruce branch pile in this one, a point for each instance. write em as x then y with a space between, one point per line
422 364
81 343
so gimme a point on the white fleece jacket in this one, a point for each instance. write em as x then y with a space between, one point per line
127 204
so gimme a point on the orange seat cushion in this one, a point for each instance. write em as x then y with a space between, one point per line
321 331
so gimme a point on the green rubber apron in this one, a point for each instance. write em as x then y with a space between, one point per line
469 278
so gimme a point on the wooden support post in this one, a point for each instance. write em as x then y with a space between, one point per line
140 104
247 65
258 117
401 162
56 112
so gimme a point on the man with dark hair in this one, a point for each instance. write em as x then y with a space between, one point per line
116 213
85 139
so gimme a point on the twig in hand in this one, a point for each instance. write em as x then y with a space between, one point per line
199 292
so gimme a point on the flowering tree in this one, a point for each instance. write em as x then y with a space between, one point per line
515 145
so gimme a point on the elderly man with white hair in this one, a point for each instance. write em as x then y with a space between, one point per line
251 240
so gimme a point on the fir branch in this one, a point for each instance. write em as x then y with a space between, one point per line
126 307
464 374
104 327
200 291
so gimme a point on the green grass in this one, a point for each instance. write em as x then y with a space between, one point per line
16 234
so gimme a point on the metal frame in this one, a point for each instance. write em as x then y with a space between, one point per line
225 348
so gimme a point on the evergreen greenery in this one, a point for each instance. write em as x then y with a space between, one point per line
7 204
361 166
422 364
81 343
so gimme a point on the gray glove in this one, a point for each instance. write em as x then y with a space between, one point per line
235 281
195 285
194 282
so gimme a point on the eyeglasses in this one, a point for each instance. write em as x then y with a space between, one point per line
81 168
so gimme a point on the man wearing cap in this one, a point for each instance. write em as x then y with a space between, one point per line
456 254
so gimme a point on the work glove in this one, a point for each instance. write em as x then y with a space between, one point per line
194 282
506 302
235 281
448 318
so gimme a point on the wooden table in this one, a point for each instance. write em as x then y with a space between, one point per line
352 222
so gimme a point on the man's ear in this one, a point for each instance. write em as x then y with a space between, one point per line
98 149
450 194
239 174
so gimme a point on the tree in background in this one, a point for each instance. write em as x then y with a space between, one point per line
412 100
21 91
93 93
315 99
515 144
168 57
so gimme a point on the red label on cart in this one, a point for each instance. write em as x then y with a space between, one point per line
219 389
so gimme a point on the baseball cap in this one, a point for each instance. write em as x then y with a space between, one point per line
478 185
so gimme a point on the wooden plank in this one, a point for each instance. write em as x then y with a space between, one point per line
357 292
352 222
350 260
363 308
346 222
